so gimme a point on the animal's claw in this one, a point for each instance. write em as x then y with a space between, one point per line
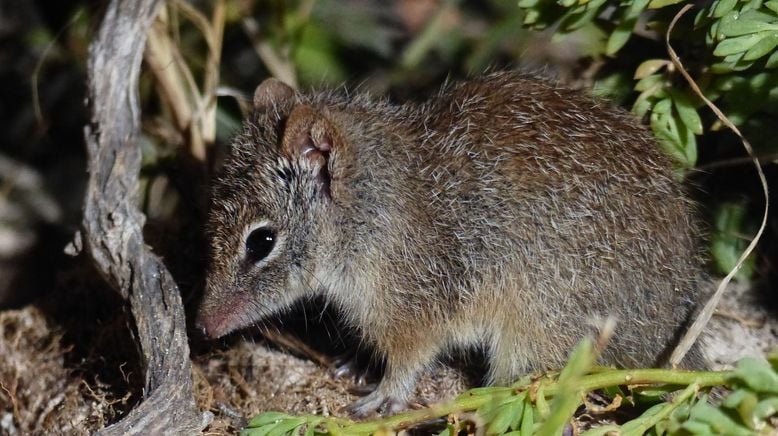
375 402
347 366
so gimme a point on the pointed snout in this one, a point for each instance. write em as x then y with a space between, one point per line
216 318
220 313
211 327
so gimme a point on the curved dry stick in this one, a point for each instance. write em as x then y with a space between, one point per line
701 321
113 225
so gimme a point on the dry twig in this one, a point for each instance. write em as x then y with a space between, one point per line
707 311
112 226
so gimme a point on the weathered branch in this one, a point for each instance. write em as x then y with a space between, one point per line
113 225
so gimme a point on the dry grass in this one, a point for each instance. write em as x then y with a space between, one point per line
39 394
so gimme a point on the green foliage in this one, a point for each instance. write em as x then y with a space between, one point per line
321 39
668 402
727 241
726 39
730 49
314 56
746 410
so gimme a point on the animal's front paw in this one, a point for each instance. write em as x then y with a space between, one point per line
375 402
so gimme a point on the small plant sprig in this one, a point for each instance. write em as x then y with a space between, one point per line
674 402
736 55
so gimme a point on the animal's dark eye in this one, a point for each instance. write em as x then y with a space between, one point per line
259 244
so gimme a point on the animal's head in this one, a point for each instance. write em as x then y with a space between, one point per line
267 209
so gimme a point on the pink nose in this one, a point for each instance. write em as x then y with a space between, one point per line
212 325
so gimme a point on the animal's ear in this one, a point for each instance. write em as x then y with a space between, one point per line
310 135
271 92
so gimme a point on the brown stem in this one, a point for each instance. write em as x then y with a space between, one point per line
112 225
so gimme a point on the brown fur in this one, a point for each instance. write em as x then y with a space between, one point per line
506 212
